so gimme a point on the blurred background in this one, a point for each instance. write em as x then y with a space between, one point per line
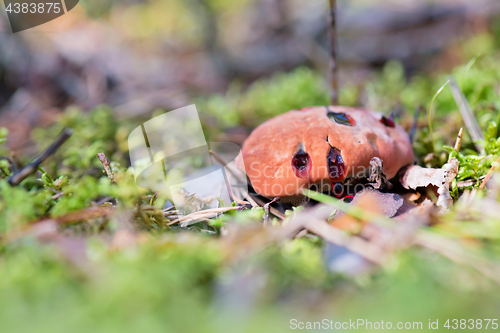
138 56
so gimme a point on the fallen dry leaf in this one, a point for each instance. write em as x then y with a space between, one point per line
415 176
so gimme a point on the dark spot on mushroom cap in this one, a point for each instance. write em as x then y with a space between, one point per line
341 118
337 189
336 165
301 163
348 198
389 122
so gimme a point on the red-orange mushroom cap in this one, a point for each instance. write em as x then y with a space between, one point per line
317 145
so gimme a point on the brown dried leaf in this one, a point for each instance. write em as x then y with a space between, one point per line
416 176
379 203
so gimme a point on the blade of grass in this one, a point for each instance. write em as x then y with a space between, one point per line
429 113
414 126
467 68
354 211
467 115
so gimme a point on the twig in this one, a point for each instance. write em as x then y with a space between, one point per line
273 210
252 201
103 200
11 162
22 174
333 52
467 115
225 166
57 195
106 164
202 214
172 213
469 182
458 143
267 206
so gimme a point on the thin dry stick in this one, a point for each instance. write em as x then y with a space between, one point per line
171 213
469 182
267 206
273 210
225 166
238 197
22 174
333 52
458 143
467 115
252 201
103 200
106 164
235 191
11 163
202 214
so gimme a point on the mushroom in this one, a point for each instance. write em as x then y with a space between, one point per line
315 146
